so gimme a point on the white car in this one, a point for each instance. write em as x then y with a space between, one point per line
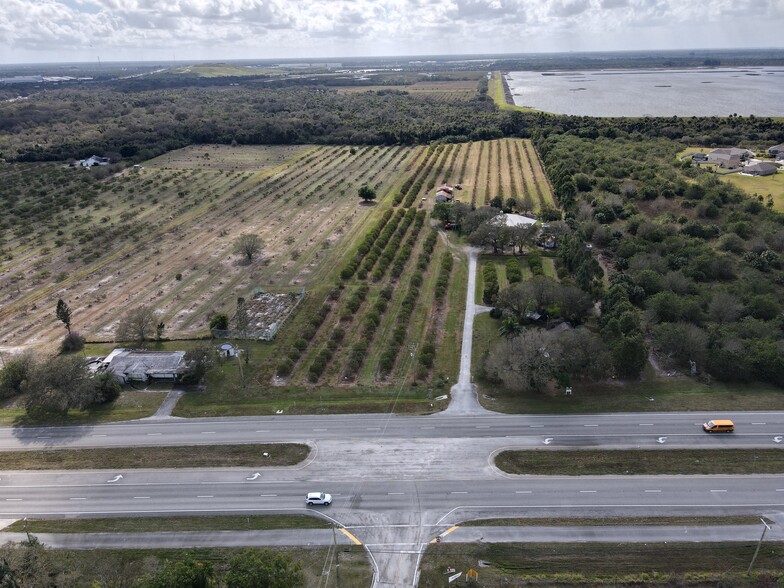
318 498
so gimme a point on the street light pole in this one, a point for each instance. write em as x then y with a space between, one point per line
759 544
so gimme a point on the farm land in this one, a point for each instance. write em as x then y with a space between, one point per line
385 294
439 91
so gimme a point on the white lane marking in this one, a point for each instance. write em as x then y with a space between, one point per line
428 427
97 435
319 430
548 441
77 499
206 496
117 478
779 489
483 426
777 439
141 497
587 491
373 429
208 432
255 476
395 493
661 440
590 425
458 492
154 434
271 495
536 426
653 490
262 431
759 423
43 437
718 490
645 424
522 491
13 500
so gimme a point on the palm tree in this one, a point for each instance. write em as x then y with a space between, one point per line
510 328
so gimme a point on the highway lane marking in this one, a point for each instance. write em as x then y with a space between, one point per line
759 423
653 490
206 496
267 495
43 437
13 499
395 493
141 497
483 426
587 491
319 430
77 498
373 429
97 435
536 426
350 536
458 492
645 425
208 432
590 425
154 434
718 490
262 431
522 491
428 427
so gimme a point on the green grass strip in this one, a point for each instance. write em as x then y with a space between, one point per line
636 462
114 458
616 521
168 524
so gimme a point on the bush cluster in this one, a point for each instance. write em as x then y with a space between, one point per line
490 276
442 282
381 243
535 263
514 272
351 267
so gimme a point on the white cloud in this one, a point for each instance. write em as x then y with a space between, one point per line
56 30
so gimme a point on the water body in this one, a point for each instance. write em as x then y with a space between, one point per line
653 92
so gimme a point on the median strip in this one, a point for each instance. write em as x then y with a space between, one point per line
115 458
641 462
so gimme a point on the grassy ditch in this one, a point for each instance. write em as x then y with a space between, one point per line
129 567
645 462
168 524
615 521
604 564
202 456
296 400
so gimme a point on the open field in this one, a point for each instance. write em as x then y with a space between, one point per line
283 454
441 91
257 158
641 463
219 70
127 567
773 185
122 242
604 564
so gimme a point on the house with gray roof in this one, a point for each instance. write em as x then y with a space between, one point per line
140 365
776 150
763 168
730 157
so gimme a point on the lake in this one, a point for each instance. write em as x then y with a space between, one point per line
653 92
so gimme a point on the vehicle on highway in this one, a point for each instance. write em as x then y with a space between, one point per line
318 498
719 426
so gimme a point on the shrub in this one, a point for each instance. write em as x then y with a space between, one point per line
73 341
219 322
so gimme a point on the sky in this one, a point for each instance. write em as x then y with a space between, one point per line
161 30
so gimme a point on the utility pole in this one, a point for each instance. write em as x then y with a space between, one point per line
759 544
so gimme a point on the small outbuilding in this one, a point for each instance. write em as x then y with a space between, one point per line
776 150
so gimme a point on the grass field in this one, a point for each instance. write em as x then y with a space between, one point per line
604 564
773 185
220 70
203 456
641 463
128 567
